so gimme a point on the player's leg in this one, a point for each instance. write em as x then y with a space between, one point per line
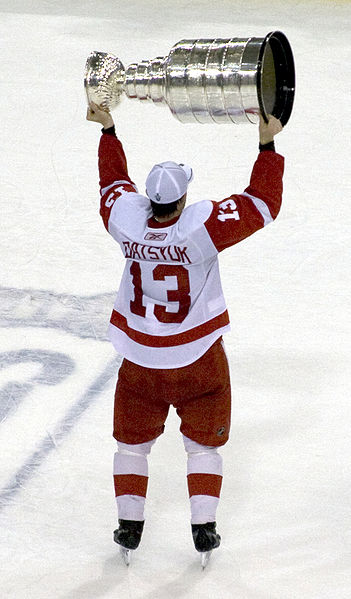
205 415
130 474
204 474
139 418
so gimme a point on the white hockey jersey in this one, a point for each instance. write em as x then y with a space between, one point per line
170 306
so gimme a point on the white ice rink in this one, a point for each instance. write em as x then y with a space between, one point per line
285 512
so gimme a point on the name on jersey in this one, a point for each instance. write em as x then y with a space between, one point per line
173 253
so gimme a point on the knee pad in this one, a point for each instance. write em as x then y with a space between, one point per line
193 447
138 449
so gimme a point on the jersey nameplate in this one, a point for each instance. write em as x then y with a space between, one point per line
167 253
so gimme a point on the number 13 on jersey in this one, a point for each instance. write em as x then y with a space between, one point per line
227 210
181 294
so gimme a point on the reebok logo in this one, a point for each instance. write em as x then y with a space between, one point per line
155 236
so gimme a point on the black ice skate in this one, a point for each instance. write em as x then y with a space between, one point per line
128 536
205 536
205 540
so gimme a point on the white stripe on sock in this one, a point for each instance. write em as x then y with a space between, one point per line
202 459
130 464
205 463
203 508
130 507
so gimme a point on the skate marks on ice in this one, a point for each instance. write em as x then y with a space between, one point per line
52 441
85 317
28 373
111 582
168 574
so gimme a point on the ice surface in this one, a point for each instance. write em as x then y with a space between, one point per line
285 509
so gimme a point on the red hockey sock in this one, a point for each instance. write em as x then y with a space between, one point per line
130 476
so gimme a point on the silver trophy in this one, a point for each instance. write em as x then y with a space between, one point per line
204 81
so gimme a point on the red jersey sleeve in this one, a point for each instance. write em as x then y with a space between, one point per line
239 216
113 173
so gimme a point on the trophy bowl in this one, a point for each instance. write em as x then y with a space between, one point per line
104 79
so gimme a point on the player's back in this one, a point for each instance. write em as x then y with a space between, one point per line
170 294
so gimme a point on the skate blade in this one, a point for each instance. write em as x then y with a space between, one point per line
126 555
205 558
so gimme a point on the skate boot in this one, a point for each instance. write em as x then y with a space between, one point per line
129 533
205 537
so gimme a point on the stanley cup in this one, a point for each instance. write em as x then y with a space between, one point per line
205 80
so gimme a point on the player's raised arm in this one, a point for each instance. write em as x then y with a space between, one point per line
113 170
112 159
240 215
266 181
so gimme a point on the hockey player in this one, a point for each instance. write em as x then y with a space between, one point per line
169 317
